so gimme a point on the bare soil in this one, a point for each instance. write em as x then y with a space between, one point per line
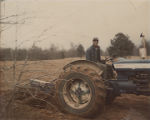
126 107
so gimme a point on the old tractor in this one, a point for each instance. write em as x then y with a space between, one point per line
85 87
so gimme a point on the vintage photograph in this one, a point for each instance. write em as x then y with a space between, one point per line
74 59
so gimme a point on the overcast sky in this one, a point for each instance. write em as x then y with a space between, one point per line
61 22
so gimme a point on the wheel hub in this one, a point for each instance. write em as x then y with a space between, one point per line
77 93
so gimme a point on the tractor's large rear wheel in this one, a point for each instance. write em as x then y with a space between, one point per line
81 91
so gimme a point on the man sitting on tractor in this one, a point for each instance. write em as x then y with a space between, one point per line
93 52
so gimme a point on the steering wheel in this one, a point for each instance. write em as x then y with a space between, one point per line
108 59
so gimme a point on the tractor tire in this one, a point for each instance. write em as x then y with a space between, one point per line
81 91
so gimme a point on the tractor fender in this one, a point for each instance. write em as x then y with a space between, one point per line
97 67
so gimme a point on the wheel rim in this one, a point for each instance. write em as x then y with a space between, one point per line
77 93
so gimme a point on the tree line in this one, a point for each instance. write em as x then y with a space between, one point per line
36 53
121 46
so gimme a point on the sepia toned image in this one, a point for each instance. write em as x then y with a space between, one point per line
74 60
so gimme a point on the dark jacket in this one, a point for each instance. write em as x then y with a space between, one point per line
93 54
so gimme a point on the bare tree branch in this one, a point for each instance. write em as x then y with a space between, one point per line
8 17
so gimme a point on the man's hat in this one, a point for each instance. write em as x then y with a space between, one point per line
95 39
